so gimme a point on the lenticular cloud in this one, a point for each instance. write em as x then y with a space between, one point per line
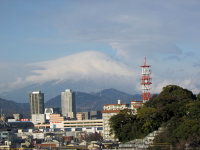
90 64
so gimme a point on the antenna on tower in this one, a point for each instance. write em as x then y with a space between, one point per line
146 81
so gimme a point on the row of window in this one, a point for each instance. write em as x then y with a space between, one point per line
81 129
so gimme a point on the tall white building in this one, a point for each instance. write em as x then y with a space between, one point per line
68 104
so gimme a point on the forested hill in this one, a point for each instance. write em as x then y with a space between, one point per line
175 109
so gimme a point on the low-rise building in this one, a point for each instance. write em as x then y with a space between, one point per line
135 105
82 115
38 118
56 121
83 125
95 115
48 112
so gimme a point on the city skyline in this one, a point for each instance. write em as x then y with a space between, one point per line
93 45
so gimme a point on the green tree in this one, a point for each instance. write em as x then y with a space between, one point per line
193 110
198 97
121 124
149 119
176 109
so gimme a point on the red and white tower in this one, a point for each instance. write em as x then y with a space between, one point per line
146 81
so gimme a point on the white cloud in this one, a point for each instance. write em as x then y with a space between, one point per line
89 65
97 68
134 29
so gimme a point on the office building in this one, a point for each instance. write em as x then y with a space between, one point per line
68 104
37 102
109 111
95 115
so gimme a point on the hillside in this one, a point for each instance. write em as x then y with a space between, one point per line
95 101
9 107
175 109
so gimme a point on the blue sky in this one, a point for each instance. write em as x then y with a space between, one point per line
104 40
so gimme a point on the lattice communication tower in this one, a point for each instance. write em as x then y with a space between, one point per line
146 81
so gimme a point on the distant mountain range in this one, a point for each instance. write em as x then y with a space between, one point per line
10 107
95 101
84 102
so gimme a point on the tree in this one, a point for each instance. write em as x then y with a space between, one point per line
176 109
93 137
193 110
198 97
121 125
150 119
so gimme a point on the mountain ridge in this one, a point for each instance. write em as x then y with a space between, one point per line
95 101
84 102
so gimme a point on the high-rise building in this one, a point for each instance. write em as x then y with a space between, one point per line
68 104
37 102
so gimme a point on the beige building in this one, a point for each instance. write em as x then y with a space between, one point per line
17 117
82 115
79 116
109 111
135 105
56 121
83 123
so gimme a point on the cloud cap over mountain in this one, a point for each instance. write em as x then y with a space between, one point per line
55 39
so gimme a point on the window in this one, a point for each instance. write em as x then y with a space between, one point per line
68 129
78 129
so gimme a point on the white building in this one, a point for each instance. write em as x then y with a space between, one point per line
109 111
47 112
135 105
68 104
57 121
38 118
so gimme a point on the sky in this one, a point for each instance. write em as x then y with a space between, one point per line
92 45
